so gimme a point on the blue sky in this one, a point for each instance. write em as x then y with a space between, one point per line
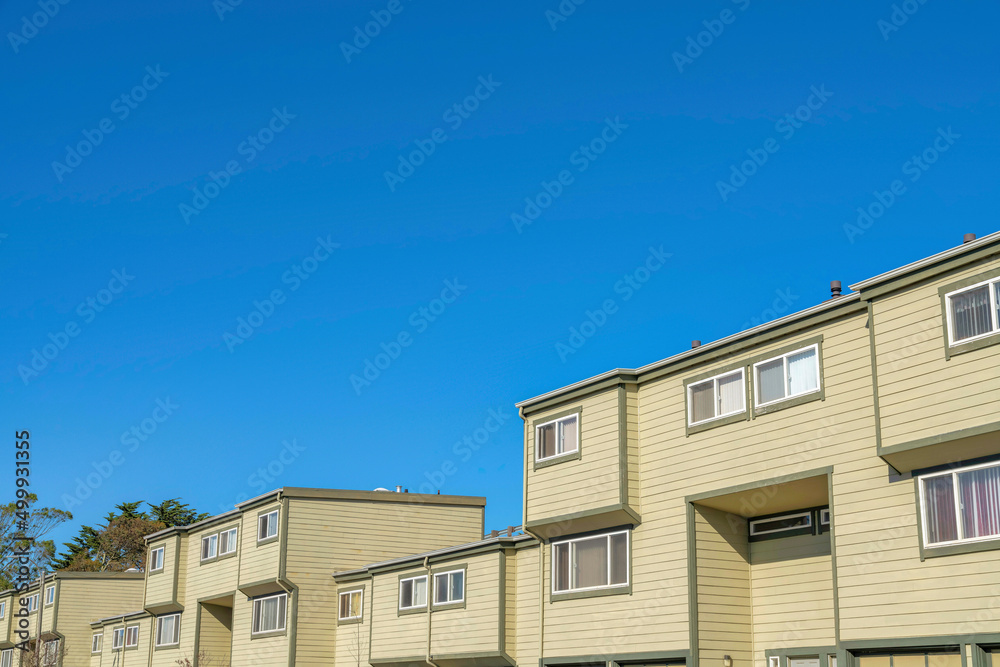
265 150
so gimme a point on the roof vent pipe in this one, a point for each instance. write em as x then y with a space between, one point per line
399 488
695 343
968 238
834 289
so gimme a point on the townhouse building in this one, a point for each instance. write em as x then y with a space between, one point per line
822 490
53 619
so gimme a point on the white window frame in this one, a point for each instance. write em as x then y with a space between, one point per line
994 316
607 537
3 609
235 534
958 506
558 422
267 515
117 639
773 531
427 592
448 574
715 396
153 558
177 630
784 358
50 596
824 516
214 552
361 606
283 615
134 640
96 642
7 658
50 653
32 602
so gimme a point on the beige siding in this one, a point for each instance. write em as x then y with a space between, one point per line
258 563
395 635
160 584
137 657
578 485
633 465
215 634
82 601
525 650
724 600
476 627
921 394
510 603
351 648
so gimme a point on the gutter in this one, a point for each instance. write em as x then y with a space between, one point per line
427 567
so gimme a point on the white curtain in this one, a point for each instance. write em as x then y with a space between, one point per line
771 381
731 394
939 509
802 372
591 566
980 495
568 438
970 313
702 402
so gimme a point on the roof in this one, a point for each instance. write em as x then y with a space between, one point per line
328 494
60 574
119 617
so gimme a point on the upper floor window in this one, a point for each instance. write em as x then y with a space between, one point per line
117 639
557 437
50 595
974 312
716 397
168 630
449 587
156 559
31 602
209 546
961 505
413 592
3 610
351 605
267 525
787 376
95 642
269 614
131 636
227 542
589 563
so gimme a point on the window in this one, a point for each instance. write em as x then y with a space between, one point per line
973 312
227 542
589 563
781 524
558 437
168 630
716 397
50 595
7 658
413 592
269 614
209 546
824 517
50 653
95 642
3 610
351 605
117 639
132 636
267 525
31 602
449 587
787 376
156 559
961 505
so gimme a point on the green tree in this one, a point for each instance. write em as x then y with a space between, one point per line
174 513
34 525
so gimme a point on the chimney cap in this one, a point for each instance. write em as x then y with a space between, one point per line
968 238
695 343
835 288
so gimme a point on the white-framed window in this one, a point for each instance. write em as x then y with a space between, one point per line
824 516
96 641
50 653
117 639
156 559
3 610
773 661
973 312
168 630
131 636
269 613
781 524
590 563
449 587
32 602
351 605
209 546
961 505
50 595
413 592
267 525
7 658
716 397
790 375
557 437
227 542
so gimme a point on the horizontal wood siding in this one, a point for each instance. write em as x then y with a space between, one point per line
216 635
633 463
393 635
82 601
263 652
526 650
476 627
258 563
160 585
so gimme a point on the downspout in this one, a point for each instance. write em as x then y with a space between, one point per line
41 616
541 549
427 567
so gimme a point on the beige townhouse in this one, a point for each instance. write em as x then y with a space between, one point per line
53 617
822 489
252 586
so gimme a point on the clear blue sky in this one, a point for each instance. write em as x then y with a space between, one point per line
632 139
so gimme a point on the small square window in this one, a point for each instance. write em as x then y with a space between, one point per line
413 592
96 641
50 595
449 587
973 312
269 614
168 630
267 525
156 559
591 563
209 547
790 375
117 639
351 605
557 438
132 636
716 397
227 542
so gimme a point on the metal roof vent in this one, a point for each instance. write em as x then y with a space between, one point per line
834 289
695 343
968 238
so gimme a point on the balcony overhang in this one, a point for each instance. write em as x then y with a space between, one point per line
947 448
612 516
481 659
769 497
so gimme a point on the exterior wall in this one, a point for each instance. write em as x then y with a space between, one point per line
525 649
395 635
215 632
160 585
80 602
258 561
137 657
